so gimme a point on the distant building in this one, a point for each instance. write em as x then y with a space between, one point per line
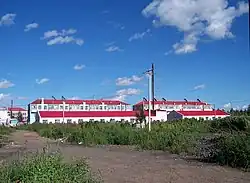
15 111
4 117
74 111
205 115
52 106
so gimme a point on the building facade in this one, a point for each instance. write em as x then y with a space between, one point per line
75 111
64 106
204 115
170 105
16 110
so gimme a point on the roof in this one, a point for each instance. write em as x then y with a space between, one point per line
203 113
97 102
16 109
79 114
172 102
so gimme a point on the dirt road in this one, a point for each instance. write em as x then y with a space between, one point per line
123 165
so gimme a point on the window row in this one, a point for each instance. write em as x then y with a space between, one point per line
79 107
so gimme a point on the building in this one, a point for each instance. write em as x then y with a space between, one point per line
170 105
38 107
3 115
86 116
74 111
16 110
206 115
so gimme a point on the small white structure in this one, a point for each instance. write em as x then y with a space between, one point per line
4 116
206 115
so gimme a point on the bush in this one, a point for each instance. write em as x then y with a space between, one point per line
230 124
45 168
234 150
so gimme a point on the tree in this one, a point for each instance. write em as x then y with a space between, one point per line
20 117
140 116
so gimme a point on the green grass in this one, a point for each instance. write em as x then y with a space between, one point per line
44 168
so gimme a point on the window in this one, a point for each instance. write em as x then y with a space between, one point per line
45 121
61 107
33 106
206 118
45 107
57 120
69 120
118 107
70 107
66 107
105 108
86 108
81 107
39 107
102 120
51 107
100 107
56 107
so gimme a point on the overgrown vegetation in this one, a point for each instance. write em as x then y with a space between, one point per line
225 141
4 132
44 168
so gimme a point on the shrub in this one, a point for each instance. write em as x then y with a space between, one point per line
45 168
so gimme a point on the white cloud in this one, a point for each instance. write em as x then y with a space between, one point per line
22 98
62 37
7 19
195 19
74 98
199 87
5 84
31 26
124 93
113 49
126 81
227 106
244 107
139 35
79 67
42 81
4 96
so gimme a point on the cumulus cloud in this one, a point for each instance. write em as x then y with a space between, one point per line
42 81
195 19
5 84
199 87
54 37
79 67
124 93
126 81
8 19
140 35
31 26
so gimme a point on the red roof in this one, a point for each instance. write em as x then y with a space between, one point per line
69 114
16 109
171 102
98 102
203 113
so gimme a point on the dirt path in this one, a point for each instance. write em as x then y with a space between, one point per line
121 165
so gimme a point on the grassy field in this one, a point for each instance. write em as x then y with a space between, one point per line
44 168
224 141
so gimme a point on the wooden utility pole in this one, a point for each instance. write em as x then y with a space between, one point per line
11 107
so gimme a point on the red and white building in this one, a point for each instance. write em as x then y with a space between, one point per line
16 110
206 115
74 111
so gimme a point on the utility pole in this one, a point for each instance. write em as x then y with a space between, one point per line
63 100
153 86
149 73
11 107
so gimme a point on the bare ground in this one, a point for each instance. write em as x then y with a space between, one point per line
125 165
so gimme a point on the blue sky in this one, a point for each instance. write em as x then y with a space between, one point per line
100 48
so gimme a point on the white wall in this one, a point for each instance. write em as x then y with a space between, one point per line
3 116
206 117
87 119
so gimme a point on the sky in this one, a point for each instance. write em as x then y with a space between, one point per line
95 49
